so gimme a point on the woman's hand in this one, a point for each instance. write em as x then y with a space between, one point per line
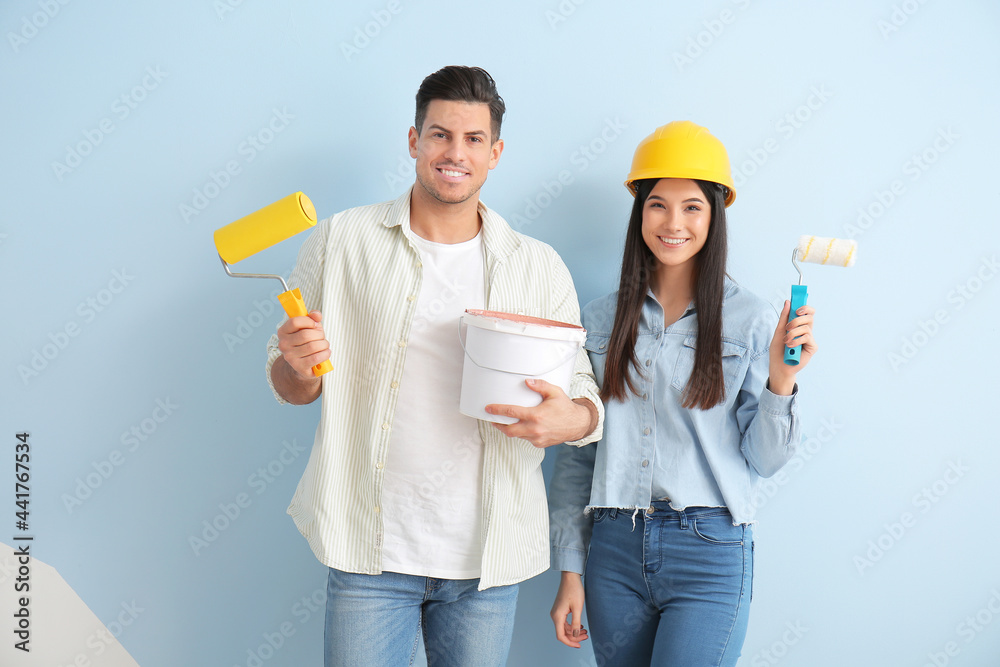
569 601
789 334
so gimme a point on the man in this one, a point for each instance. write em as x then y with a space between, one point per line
427 519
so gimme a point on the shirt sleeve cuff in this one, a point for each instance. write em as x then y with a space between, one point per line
272 354
588 391
779 406
566 559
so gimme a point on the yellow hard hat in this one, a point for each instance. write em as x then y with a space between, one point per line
682 149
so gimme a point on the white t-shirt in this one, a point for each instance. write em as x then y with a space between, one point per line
432 496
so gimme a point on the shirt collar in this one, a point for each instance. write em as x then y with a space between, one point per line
498 238
652 311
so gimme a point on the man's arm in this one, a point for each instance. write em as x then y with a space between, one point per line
557 418
595 417
301 339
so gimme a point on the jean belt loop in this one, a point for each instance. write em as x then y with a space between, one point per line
684 519
613 513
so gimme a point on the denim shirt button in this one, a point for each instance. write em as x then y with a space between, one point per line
645 463
645 431
649 361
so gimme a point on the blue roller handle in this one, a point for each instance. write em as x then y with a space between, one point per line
799 295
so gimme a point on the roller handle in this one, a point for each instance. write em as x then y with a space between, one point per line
799 295
294 306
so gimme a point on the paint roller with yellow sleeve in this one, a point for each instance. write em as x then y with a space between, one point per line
260 230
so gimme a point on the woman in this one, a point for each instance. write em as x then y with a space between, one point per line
699 406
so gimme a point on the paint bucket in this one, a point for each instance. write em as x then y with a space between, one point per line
503 350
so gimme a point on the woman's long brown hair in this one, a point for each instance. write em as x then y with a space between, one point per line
706 387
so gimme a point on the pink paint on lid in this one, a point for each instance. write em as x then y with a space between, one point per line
522 319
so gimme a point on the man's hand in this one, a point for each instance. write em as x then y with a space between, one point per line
555 420
303 345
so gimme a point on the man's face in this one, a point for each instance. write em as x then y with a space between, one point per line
453 150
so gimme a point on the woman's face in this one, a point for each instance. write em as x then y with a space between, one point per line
675 220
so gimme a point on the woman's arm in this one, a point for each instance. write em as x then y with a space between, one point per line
570 530
767 413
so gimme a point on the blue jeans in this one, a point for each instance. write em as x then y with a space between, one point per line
376 619
673 591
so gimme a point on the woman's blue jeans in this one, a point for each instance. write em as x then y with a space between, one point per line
376 620
674 591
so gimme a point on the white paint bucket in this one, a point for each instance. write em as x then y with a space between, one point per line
503 350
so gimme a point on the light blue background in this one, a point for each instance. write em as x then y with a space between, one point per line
893 426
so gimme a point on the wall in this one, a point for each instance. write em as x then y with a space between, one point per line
133 130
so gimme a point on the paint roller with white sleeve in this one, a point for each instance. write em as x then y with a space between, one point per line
816 250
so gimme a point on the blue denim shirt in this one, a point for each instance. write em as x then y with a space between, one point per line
653 448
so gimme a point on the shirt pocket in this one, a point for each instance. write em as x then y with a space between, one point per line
734 358
601 513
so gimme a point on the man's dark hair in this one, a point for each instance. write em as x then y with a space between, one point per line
456 83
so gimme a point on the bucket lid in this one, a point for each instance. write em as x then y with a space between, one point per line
525 325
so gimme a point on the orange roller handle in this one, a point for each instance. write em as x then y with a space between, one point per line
294 306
